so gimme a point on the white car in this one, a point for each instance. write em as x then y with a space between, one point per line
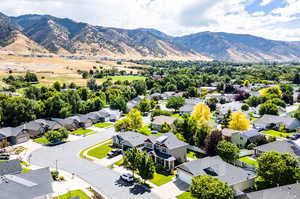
127 177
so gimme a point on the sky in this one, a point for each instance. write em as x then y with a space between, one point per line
273 19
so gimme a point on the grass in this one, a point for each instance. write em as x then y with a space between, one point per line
81 154
185 195
120 162
103 125
160 179
176 115
41 140
276 133
249 161
24 170
147 131
81 131
73 193
192 155
100 151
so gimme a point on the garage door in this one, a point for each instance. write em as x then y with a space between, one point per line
185 177
22 139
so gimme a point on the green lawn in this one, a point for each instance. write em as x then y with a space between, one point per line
74 193
249 161
276 133
24 170
41 140
145 130
185 195
81 131
123 78
192 155
160 179
100 151
103 125
120 162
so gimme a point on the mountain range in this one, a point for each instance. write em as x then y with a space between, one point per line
48 34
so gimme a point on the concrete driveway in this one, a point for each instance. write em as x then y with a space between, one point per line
105 180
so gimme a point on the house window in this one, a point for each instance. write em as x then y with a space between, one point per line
163 150
241 138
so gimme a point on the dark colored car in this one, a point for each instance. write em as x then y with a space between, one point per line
4 156
295 136
114 153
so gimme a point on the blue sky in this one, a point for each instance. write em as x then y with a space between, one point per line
274 19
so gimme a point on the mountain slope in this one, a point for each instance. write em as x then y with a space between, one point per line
67 36
238 47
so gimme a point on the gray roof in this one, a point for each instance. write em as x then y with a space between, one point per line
281 146
134 139
160 120
35 125
187 108
168 139
10 167
26 185
251 133
218 168
288 122
11 131
291 191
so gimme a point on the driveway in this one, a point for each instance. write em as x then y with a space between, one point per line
105 180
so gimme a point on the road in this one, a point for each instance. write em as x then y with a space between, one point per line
101 178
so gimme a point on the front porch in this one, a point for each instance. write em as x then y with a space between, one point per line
164 160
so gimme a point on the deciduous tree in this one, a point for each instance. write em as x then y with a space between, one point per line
239 121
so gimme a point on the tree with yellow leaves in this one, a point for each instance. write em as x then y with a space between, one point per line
201 112
239 121
133 121
272 92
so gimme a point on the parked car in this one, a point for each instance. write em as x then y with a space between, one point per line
4 156
114 153
127 177
295 136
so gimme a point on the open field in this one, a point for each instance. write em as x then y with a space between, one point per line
63 70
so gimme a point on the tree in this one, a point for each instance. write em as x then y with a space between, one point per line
136 119
296 79
211 142
247 83
239 121
57 107
131 159
273 91
175 102
119 103
208 187
31 77
192 92
203 129
201 112
92 84
140 87
276 169
56 136
122 124
146 166
145 105
268 108
245 107
254 101
57 86
180 137
227 151
297 114
226 119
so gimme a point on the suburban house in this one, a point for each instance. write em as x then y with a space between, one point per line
35 128
103 115
14 135
233 106
158 121
68 123
53 125
187 109
10 167
166 150
280 146
83 120
167 95
95 117
108 114
227 134
291 191
238 178
36 184
242 138
128 140
131 104
274 122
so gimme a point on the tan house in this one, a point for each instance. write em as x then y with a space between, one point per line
158 121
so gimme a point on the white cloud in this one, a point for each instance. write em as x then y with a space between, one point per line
176 17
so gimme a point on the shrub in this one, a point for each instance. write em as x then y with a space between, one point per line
55 175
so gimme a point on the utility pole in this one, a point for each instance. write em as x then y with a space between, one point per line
56 165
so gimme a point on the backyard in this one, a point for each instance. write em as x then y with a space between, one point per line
276 133
100 151
249 160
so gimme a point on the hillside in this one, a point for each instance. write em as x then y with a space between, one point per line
45 33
